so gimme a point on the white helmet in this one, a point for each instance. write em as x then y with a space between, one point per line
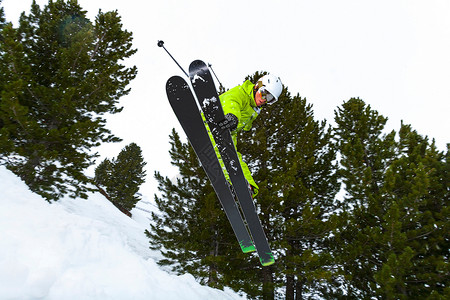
272 84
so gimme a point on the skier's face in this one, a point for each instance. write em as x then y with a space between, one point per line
260 101
263 96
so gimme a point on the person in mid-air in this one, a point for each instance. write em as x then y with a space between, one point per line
242 105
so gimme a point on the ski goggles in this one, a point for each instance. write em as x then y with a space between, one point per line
266 95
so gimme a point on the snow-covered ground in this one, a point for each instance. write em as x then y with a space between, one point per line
81 249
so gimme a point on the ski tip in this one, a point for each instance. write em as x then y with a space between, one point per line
174 83
198 62
195 66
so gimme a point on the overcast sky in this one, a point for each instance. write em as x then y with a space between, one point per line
393 54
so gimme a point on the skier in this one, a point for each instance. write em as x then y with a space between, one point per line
241 105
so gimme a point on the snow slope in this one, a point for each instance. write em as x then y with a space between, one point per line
81 249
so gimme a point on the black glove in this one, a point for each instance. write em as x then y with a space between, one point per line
230 122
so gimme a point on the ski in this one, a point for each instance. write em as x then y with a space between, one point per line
209 101
186 110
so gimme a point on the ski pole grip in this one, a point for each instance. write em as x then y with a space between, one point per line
160 43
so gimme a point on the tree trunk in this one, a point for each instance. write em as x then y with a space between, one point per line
290 287
268 287
212 278
104 193
299 290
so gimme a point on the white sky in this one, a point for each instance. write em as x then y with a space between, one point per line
393 54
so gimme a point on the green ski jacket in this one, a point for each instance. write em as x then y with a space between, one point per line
240 102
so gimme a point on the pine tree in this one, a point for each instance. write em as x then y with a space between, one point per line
292 158
103 173
129 174
416 221
122 177
395 217
60 74
365 153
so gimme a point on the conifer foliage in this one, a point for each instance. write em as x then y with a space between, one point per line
121 178
413 246
365 155
391 240
2 16
60 74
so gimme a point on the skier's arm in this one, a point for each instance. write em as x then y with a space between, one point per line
231 104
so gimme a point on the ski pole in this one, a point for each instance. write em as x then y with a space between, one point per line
221 86
161 44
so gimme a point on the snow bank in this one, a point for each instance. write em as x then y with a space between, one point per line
80 249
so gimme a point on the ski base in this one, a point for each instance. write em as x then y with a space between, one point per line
185 108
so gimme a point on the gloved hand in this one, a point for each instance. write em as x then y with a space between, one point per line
230 122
